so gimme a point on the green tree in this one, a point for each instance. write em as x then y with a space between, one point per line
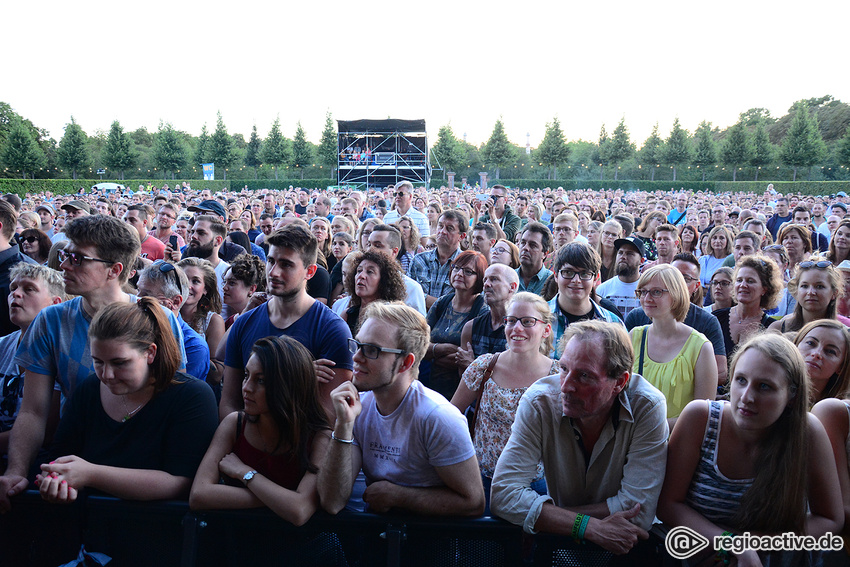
498 151
601 151
735 150
275 148
302 152
803 145
73 149
202 151
20 151
253 150
705 153
448 150
621 147
221 147
762 150
169 152
677 147
553 150
118 154
328 153
842 150
650 153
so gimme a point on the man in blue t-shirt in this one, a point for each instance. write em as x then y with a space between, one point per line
290 310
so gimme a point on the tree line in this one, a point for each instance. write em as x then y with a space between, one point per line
813 136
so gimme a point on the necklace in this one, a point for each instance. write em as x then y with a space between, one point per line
741 318
129 414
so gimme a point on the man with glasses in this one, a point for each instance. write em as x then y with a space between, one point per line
96 262
403 194
166 217
577 268
412 444
169 285
499 214
433 268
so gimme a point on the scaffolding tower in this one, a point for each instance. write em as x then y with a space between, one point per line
377 153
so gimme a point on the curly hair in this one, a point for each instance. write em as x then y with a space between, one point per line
391 283
769 274
250 270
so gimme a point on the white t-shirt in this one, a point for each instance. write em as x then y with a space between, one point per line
425 431
620 294
419 219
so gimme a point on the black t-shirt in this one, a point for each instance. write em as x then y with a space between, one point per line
319 286
170 433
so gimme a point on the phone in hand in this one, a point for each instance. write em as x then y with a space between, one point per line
172 241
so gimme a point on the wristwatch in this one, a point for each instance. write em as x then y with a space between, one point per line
248 476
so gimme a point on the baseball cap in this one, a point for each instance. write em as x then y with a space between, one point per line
77 205
634 241
47 208
841 194
841 206
209 206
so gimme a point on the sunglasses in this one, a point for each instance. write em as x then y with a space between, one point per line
370 351
822 264
76 259
30 239
164 268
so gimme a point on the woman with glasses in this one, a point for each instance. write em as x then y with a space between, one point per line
364 232
721 289
757 284
755 463
505 252
594 231
611 231
797 242
720 243
816 287
672 356
498 381
447 316
35 244
372 276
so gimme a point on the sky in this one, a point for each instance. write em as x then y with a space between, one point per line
462 63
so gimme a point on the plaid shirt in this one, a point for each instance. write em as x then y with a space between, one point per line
560 323
434 278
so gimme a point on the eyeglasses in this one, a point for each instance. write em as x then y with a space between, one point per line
30 239
570 274
609 234
496 197
466 271
690 279
164 268
499 250
76 259
656 293
399 193
822 264
721 283
370 351
527 322
564 229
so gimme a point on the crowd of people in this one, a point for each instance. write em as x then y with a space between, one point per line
535 355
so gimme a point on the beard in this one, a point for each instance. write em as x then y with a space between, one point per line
626 270
200 251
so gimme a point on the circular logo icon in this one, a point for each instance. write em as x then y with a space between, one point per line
682 542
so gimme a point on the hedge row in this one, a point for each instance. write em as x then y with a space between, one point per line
65 186
804 187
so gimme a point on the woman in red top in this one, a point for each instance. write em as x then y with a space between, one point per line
268 454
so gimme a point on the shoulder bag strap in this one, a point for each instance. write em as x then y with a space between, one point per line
642 348
487 374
